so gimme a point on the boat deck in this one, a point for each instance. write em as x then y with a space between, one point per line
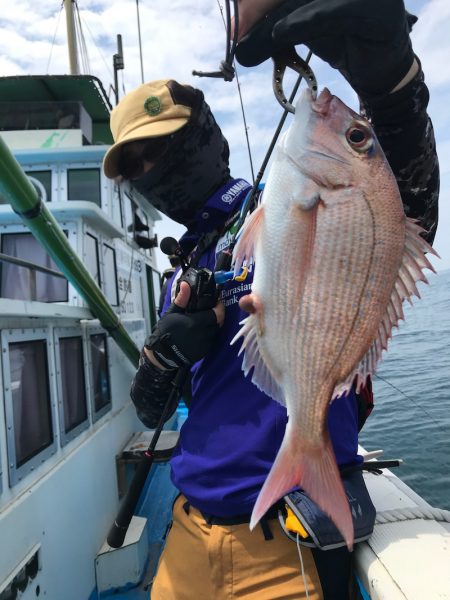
410 538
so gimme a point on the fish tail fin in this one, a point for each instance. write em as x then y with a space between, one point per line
313 469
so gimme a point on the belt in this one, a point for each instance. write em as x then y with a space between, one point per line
272 513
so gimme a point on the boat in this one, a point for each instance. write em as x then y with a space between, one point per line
406 557
79 284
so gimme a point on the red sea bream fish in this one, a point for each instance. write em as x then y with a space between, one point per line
335 257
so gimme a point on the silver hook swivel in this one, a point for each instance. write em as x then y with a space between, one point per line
290 58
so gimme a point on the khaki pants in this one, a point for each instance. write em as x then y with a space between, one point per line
216 562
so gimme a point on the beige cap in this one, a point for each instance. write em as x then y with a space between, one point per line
147 111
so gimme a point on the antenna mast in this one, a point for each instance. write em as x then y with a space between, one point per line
140 41
118 65
71 38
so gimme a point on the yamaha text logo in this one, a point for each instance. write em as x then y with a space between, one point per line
234 190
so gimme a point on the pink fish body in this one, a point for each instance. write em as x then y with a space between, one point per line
335 257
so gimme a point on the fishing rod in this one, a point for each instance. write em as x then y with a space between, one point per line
227 72
226 69
266 159
200 282
227 255
204 295
122 521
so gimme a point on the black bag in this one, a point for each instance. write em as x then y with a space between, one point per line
322 531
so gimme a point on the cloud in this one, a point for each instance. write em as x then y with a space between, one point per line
183 35
432 42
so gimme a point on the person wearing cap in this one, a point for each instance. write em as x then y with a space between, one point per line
170 148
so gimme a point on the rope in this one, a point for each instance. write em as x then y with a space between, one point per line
140 40
81 41
54 37
84 24
411 513
305 583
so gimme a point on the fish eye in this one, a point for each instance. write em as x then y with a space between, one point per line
359 138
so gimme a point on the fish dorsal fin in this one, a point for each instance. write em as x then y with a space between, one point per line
410 272
245 246
261 377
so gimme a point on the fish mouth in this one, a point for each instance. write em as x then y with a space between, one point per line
321 104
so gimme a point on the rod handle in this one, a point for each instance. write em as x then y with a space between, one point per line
120 526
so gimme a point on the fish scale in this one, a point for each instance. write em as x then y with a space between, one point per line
335 257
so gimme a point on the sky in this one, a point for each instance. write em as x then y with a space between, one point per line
182 35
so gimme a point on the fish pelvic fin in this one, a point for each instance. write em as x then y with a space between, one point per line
262 377
245 247
410 273
314 469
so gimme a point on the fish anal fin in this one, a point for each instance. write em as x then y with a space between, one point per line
314 469
245 246
251 330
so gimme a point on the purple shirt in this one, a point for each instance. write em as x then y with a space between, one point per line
233 432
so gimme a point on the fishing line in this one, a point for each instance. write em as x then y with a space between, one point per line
249 200
230 55
417 404
227 72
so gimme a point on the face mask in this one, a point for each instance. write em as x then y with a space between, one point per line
193 168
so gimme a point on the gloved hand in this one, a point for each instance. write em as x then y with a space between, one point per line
181 338
367 40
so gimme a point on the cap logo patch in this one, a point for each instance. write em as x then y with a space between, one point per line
152 106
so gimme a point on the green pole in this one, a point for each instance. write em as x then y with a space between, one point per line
20 193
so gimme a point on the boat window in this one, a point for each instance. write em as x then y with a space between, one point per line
118 208
100 375
129 209
110 275
70 362
91 257
45 178
142 223
31 404
23 283
84 184
154 291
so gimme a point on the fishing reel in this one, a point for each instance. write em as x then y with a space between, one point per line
204 293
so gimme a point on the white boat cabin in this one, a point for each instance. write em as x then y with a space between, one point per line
66 412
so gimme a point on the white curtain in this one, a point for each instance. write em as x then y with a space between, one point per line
21 283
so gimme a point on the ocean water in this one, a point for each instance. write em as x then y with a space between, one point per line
411 418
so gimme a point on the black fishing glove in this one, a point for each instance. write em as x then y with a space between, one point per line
150 391
181 339
366 40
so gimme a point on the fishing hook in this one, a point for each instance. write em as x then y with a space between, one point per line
289 58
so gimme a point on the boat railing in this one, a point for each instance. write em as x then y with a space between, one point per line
20 262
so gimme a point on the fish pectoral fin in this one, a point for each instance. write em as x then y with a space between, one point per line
309 197
314 469
410 272
262 377
245 246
